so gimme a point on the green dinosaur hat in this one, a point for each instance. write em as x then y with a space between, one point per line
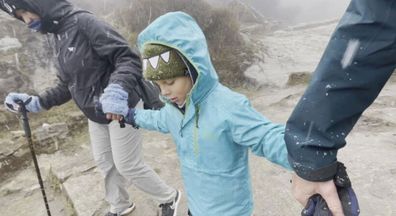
162 62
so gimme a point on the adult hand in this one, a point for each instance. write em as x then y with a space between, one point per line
303 190
129 118
114 102
317 206
13 97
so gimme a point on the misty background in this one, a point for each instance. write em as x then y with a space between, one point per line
296 11
288 12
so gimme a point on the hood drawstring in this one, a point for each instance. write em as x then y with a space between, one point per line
181 128
197 116
195 138
196 142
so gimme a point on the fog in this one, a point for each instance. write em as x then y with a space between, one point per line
286 11
295 11
312 10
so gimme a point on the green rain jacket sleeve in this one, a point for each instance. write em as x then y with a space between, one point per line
153 119
265 139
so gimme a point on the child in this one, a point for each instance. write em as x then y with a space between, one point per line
213 127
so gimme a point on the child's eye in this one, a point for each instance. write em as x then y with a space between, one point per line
171 82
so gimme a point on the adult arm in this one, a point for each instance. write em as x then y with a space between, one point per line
55 96
111 46
355 66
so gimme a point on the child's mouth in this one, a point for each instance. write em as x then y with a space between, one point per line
174 100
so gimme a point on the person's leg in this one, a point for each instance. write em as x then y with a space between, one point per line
115 184
355 66
127 153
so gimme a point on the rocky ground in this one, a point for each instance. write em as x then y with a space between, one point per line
75 187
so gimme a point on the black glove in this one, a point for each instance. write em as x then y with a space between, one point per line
317 206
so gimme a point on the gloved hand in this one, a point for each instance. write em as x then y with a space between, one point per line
32 106
317 206
129 118
114 100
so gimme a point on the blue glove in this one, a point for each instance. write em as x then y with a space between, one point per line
317 206
114 100
32 106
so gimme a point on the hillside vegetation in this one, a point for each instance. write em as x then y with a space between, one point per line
230 54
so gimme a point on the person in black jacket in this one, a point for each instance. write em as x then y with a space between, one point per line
93 59
358 61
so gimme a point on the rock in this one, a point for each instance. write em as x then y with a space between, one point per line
76 120
16 135
8 43
49 136
26 182
26 59
10 83
8 148
299 78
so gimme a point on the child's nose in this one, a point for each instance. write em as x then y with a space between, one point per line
165 92
26 20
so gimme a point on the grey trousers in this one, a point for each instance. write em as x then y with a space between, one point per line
118 155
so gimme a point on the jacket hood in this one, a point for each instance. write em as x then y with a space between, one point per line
181 32
52 12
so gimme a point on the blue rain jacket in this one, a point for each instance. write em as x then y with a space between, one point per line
217 130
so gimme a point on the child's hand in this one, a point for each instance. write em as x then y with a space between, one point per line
130 118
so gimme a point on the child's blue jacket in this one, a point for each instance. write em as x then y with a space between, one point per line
217 130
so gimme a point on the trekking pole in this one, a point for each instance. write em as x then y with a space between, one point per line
28 134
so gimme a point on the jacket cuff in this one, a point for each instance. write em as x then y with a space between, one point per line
42 103
316 175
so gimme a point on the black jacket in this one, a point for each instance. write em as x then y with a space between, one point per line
90 53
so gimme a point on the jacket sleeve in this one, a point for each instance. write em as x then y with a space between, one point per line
340 91
112 47
55 96
153 119
250 128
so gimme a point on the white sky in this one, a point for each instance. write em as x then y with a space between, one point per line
311 10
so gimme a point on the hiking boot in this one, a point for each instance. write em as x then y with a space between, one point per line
125 212
170 209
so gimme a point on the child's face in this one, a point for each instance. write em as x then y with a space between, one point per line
27 16
175 89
